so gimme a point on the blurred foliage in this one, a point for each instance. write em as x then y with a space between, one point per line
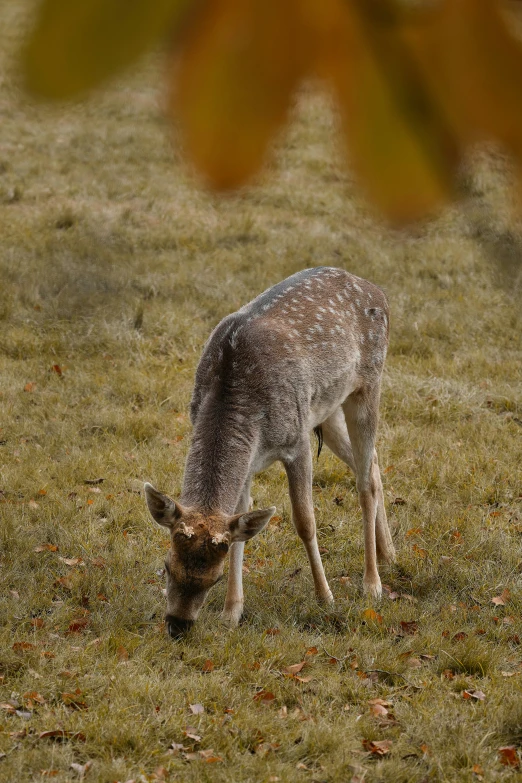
417 83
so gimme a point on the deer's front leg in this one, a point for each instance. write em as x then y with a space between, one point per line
233 608
299 473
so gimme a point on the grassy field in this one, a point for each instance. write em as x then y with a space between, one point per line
114 269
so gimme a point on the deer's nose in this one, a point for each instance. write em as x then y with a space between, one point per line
177 626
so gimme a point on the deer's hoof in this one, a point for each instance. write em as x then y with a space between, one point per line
231 616
373 587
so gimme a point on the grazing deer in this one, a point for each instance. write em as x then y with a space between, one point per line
306 354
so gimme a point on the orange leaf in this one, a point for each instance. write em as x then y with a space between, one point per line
37 622
208 666
509 756
378 747
409 627
264 696
46 548
371 614
29 387
239 67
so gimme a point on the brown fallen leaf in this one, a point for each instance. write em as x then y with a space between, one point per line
93 482
190 732
479 695
264 697
34 696
37 622
29 387
295 668
409 627
502 599
208 666
460 636
46 548
72 561
23 646
59 735
272 631
509 756
8 707
79 625
378 747
312 651
304 680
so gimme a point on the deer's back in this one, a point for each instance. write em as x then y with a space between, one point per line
298 349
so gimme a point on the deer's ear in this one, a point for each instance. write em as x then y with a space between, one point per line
243 527
164 510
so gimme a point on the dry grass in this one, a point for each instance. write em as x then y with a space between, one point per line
115 268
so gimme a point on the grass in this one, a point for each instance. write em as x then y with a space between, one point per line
115 267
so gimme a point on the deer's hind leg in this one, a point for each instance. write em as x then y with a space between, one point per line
335 436
233 608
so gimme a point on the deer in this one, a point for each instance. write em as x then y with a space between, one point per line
307 354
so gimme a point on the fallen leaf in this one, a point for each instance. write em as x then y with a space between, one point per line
21 646
509 756
414 531
398 502
409 627
34 696
190 732
479 695
371 614
122 653
57 369
8 707
272 631
93 482
378 747
208 666
81 769
295 668
477 770
29 387
196 709
302 679
460 636
71 561
264 696
312 651
46 548
59 735
423 553
37 622
502 599
77 626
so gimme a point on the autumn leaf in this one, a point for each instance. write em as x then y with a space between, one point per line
264 697
75 46
377 747
196 709
208 666
295 668
239 67
59 735
23 646
371 614
46 548
478 695
502 599
72 561
509 756
37 622
79 625
29 387
409 627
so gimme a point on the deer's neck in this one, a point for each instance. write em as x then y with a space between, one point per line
220 456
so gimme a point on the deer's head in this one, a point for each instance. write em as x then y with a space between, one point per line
199 544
